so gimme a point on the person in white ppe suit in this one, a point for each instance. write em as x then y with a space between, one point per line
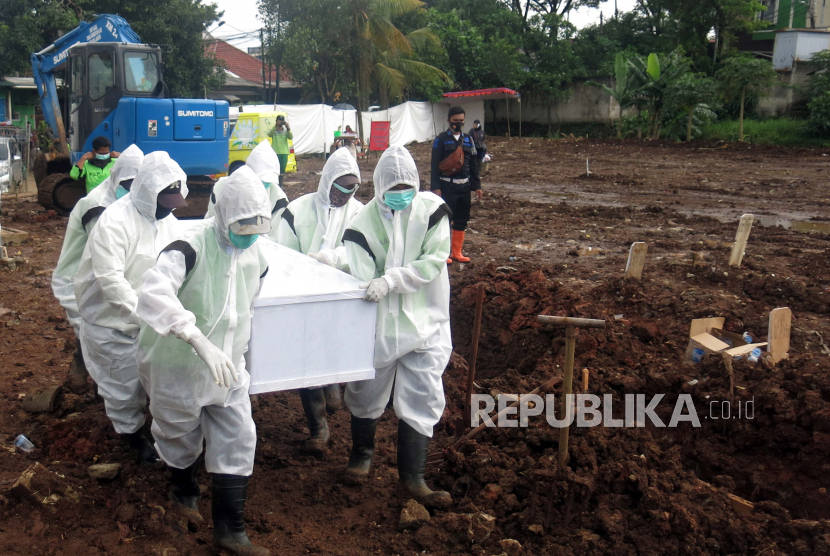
266 165
399 245
82 220
125 243
314 225
197 306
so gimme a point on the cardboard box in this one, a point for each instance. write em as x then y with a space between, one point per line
708 336
311 326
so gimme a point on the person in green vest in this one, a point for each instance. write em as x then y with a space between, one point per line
95 166
280 136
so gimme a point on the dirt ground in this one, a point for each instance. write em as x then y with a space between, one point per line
547 239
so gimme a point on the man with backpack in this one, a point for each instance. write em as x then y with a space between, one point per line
455 173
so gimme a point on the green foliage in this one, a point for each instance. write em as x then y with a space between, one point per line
658 75
691 98
44 137
28 26
819 120
785 132
624 89
742 77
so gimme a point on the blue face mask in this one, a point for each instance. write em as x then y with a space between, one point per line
120 191
267 184
242 242
399 200
102 156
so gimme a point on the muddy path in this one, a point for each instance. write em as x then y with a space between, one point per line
645 490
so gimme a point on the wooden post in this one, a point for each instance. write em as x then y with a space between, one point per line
741 238
520 117
636 260
778 334
507 102
471 374
567 389
585 374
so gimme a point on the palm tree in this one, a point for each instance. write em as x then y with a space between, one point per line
382 54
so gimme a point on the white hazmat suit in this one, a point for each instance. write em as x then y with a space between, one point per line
203 286
266 165
409 250
121 247
311 225
82 220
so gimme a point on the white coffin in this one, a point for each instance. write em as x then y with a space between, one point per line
311 326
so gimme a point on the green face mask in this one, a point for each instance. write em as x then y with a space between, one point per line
399 200
242 242
267 184
120 191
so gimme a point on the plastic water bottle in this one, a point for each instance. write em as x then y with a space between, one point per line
754 355
747 337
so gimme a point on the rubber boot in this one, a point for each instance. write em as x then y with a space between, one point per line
141 444
334 398
228 508
412 462
185 494
363 450
457 242
76 377
314 405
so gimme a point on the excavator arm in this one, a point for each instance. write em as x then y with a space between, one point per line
104 28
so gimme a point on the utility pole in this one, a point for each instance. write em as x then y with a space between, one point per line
616 11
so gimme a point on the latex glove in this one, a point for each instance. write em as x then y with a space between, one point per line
322 257
220 365
375 289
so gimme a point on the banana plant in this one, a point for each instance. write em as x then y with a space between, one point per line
658 75
624 90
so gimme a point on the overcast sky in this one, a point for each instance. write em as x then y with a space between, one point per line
241 17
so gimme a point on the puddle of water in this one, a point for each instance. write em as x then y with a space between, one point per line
797 225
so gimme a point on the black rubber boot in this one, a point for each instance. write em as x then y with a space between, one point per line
185 494
412 462
76 377
363 450
228 507
334 398
141 444
314 405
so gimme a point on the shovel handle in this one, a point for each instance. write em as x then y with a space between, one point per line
570 321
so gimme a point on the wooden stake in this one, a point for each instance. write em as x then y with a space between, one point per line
741 238
567 388
778 334
585 373
471 373
636 260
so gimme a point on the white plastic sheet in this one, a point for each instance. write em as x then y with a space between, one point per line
313 125
311 326
410 122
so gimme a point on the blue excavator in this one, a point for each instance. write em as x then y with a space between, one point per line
115 88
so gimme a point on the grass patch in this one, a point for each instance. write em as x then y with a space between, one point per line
783 132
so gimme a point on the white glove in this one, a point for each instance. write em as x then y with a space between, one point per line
220 365
375 289
322 257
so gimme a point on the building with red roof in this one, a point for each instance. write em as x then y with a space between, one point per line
244 82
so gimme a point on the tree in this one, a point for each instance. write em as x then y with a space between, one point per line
28 26
742 77
188 70
378 49
692 94
658 75
819 93
624 90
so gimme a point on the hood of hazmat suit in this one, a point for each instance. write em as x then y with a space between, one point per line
409 248
81 221
203 285
123 245
310 224
266 165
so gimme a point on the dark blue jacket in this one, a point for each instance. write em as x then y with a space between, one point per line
443 146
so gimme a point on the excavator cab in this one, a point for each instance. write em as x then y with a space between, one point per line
101 74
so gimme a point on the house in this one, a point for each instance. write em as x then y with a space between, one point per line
244 81
18 101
